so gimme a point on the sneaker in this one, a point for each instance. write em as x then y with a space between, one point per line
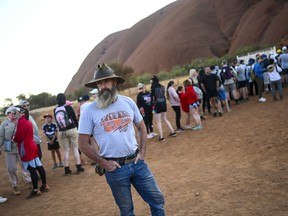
3 199
262 100
154 134
33 194
202 117
44 188
179 130
172 134
220 114
161 139
200 127
54 166
61 164
215 114
149 136
16 191
188 127
196 128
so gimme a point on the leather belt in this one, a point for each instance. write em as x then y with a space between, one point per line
125 160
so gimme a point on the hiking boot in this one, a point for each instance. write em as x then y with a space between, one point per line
34 193
67 171
61 164
16 191
54 166
80 169
44 188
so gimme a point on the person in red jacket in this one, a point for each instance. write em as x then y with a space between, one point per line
193 104
28 150
184 105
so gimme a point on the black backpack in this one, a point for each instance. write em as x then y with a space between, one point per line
226 73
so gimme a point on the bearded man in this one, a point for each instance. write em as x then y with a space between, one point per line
111 119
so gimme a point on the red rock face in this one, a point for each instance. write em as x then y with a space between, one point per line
185 30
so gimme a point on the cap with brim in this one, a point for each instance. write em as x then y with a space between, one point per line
48 115
23 102
12 109
94 91
104 72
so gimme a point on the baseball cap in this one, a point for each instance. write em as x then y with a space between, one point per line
48 115
94 91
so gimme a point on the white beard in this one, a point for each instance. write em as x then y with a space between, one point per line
106 97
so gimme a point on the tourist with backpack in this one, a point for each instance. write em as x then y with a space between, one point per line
276 84
67 123
251 77
228 78
160 107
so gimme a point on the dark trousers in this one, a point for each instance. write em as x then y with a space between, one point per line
34 175
148 120
260 85
177 111
39 151
252 86
205 101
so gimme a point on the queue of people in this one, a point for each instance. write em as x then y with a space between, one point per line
106 130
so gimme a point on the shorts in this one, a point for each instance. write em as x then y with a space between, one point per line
284 71
242 84
212 94
194 105
222 95
160 107
53 146
230 87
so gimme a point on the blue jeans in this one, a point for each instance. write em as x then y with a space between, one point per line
277 85
142 179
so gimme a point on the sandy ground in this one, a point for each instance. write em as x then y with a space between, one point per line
237 165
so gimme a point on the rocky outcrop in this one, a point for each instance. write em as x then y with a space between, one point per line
185 30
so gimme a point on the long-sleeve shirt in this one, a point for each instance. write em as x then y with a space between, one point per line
7 131
258 71
173 97
24 136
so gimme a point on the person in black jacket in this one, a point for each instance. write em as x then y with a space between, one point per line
67 123
144 104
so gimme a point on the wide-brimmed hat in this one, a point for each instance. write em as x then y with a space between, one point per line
104 72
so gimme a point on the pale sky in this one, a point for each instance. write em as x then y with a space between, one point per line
44 42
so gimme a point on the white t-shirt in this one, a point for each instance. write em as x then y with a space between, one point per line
112 127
